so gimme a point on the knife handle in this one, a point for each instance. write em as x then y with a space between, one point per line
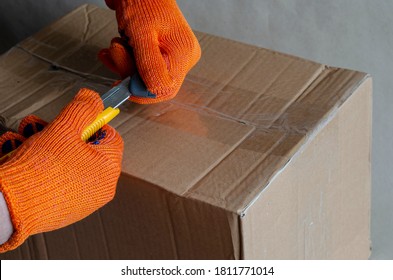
103 118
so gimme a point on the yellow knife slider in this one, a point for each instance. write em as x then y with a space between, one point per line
102 119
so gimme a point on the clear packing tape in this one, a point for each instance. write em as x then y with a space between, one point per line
254 115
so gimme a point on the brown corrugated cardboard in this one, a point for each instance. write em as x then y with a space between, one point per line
260 156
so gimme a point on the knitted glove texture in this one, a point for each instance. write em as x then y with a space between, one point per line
156 38
54 178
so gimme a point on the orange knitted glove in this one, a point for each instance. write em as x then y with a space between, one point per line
54 178
30 125
158 38
11 140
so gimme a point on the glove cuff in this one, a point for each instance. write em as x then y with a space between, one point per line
41 195
23 223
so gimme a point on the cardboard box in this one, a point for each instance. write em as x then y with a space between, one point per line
261 155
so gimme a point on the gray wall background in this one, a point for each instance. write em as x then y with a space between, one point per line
355 34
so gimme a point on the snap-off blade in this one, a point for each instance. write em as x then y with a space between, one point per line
117 95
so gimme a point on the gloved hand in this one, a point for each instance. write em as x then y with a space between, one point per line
10 140
157 37
54 178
